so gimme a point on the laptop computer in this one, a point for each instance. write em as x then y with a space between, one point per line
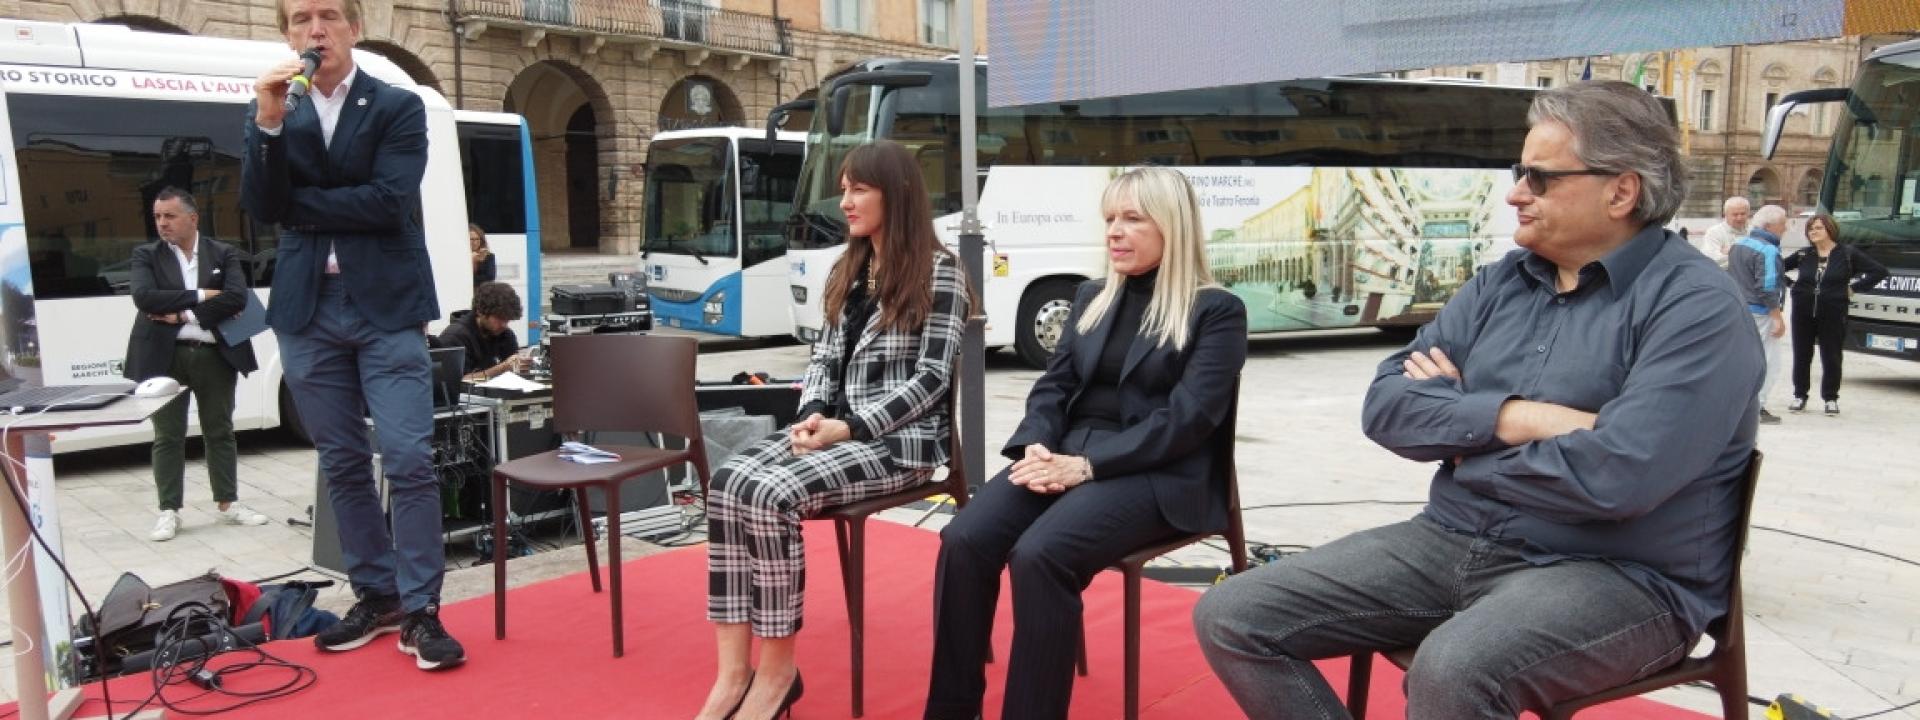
55 398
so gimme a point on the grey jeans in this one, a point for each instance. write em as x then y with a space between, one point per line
1497 634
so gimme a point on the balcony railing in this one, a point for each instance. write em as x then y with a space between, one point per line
680 21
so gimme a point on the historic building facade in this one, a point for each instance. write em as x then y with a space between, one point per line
595 78
1722 96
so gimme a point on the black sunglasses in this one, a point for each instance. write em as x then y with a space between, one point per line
1537 178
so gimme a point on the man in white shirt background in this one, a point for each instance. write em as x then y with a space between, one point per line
1718 240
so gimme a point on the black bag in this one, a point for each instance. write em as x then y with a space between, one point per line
588 300
132 613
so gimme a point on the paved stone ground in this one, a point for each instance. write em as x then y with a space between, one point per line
1838 625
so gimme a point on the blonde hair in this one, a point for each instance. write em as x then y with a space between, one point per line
1166 198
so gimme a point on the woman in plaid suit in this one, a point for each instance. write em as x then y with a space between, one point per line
873 421
1113 455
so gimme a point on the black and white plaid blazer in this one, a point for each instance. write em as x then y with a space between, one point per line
897 385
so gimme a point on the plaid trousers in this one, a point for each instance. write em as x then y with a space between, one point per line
756 564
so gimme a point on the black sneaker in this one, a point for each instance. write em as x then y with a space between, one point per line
423 637
1799 404
370 618
1833 407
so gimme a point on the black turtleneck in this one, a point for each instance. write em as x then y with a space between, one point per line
1100 402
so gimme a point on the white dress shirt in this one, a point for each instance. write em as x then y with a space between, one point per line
190 275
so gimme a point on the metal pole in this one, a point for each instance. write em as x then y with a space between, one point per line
973 352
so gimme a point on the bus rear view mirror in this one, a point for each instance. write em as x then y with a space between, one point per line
839 88
780 113
1777 116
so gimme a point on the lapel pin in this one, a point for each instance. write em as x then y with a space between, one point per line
363 102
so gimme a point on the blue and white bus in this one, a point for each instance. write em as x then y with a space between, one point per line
716 203
100 118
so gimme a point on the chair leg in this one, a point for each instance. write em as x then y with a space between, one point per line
584 510
498 499
1359 677
613 567
1732 685
1132 578
855 569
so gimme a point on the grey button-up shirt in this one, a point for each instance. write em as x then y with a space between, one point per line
1656 340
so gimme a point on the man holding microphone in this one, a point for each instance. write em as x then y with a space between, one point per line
340 174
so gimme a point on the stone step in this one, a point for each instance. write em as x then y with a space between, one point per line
583 269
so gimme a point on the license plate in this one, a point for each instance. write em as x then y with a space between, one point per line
1886 342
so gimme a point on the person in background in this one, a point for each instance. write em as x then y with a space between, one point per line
1828 273
184 286
1719 239
485 332
484 269
1754 263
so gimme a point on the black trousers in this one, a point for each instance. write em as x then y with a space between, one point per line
1053 546
1827 328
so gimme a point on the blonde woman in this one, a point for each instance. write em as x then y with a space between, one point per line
1112 455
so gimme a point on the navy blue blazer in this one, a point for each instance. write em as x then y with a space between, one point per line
1172 401
158 289
361 196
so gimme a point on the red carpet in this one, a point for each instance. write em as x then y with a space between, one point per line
557 659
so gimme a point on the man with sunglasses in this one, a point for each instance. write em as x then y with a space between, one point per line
1590 402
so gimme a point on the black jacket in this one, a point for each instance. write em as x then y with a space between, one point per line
482 352
1172 401
1847 268
158 289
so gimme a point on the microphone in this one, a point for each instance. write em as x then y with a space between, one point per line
301 84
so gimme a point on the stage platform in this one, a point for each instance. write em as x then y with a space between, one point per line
557 659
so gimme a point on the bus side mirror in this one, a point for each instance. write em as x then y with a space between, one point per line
1777 116
780 113
839 88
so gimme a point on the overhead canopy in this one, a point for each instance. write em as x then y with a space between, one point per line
1054 50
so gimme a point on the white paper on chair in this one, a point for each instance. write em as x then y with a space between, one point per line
586 454
512 381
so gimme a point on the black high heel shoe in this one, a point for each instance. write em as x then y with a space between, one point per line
793 696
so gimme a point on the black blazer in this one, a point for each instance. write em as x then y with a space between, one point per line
158 289
1172 401
359 194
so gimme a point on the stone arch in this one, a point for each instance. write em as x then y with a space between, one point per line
1763 187
1807 195
699 101
1774 72
1826 77
1709 67
573 123
409 62
145 23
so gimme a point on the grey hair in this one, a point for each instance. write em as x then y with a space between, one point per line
1736 200
1621 128
1769 216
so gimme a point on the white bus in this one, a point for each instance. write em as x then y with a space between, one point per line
1327 203
101 118
716 202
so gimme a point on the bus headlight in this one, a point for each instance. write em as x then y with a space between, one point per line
715 309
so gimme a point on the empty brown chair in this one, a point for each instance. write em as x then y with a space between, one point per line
850 530
1725 667
614 383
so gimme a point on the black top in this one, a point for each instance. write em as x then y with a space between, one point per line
1099 403
859 309
1829 280
486 272
482 352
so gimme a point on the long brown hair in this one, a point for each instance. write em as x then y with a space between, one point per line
905 292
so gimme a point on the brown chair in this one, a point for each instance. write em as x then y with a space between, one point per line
615 383
1725 667
1132 565
850 530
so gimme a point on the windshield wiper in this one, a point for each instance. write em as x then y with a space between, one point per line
695 252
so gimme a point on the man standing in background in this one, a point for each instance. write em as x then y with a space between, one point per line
1755 265
1718 240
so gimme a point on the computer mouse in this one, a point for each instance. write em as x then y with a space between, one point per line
161 386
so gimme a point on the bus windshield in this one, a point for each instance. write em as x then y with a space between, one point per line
1874 175
690 197
817 221
767 179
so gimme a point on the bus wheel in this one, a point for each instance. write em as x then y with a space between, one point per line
290 418
1043 321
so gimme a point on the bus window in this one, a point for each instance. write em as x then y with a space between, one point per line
496 199
768 181
90 167
689 197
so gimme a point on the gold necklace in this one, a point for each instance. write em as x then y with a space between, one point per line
872 266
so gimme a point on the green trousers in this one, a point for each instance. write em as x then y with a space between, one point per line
211 381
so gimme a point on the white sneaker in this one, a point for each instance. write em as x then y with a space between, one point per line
167 527
237 514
